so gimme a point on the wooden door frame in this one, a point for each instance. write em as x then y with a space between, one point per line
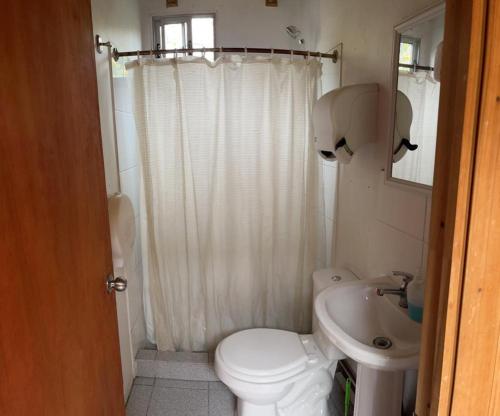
465 150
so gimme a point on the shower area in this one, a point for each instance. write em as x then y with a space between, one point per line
233 208
229 185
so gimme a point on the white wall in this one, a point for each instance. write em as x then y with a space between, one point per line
238 22
119 22
379 227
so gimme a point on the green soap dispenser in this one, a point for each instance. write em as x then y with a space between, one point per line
415 293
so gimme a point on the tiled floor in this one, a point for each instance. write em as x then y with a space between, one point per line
167 397
185 384
176 365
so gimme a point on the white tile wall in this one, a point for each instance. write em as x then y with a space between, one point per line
128 160
118 21
330 185
127 140
329 174
378 227
129 180
391 249
402 210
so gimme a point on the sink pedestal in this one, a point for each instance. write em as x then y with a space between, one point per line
378 393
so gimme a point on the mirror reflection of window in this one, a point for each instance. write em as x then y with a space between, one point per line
419 43
408 52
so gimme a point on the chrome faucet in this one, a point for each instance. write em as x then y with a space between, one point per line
402 291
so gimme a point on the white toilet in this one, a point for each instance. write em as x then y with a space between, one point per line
275 372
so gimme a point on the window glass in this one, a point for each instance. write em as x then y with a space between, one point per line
406 53
202 29
183 32
174 36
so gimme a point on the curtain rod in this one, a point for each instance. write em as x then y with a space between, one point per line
333 56
415 67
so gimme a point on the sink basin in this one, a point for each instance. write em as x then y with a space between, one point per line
355 320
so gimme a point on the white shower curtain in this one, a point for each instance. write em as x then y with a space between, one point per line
230 184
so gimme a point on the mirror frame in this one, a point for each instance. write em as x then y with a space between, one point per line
421 16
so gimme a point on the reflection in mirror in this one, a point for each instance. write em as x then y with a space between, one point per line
417 83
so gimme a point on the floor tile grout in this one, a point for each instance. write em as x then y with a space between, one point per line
149 401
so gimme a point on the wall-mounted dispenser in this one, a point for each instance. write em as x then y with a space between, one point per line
402 124
345 119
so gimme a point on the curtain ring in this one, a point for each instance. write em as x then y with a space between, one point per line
272 53
291 55
203 52
308 56
138 56
246 53
175 53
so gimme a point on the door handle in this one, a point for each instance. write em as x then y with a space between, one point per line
116 283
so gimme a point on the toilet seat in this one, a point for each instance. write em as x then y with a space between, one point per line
263 355
280 373
274 372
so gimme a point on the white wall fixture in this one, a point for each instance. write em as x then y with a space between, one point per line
122 233
122 230
345 119
402 126
377 334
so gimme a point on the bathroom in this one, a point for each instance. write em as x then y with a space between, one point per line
269 202
358 207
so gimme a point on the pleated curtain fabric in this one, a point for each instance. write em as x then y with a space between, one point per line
230 188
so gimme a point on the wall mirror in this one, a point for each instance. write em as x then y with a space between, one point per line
416 88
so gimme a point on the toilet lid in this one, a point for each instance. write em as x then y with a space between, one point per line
264 352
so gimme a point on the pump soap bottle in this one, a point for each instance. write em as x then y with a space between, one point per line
415 294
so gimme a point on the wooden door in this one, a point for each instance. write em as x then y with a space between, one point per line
59 349
475 389
460 357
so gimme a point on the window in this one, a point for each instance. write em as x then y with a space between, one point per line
409 50
181 32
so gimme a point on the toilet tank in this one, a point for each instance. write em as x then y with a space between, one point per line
325 278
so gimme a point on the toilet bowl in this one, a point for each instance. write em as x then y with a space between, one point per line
274 372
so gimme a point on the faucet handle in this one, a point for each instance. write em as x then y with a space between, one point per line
407 277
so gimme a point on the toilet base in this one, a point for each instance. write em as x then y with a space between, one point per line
250 409
308 397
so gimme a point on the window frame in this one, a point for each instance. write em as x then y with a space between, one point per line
415 42
186 19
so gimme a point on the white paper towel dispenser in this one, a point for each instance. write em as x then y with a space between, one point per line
122 230
402 124
345 119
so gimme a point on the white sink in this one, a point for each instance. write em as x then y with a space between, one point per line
352 315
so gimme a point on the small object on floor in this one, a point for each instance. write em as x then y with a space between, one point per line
347 401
